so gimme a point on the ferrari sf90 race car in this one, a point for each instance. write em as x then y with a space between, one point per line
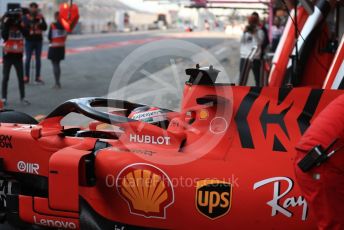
224 160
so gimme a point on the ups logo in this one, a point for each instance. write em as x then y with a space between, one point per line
213 198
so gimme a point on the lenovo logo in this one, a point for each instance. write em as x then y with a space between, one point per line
54 223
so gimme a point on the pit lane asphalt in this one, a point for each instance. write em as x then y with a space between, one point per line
89 72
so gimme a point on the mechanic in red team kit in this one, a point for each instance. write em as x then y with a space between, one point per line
320 166
57 37
13 48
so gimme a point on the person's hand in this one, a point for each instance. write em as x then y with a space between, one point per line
5 19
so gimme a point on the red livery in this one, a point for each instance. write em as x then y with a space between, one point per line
225 159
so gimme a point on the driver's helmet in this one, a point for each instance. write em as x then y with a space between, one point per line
151 115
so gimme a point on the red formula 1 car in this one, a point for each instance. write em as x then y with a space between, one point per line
225 160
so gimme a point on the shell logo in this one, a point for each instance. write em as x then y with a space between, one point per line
203 114
147 190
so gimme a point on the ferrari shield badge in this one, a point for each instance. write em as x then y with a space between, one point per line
213 198
147 190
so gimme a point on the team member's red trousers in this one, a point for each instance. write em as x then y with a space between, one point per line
323 186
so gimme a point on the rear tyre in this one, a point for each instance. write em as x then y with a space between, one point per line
10 116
